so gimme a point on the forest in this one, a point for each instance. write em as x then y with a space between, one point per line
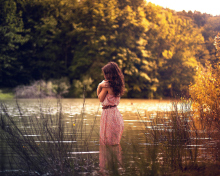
65 43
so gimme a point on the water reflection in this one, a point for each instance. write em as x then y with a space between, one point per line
110 158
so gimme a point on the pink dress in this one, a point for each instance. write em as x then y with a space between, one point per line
111 124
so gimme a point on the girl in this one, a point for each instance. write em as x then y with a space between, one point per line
109 92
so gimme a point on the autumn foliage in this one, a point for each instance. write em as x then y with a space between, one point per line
205 93
217 44
157 49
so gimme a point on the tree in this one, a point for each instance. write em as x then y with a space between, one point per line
12 38
175 45
211 28
217 45
47 52
108 31
157 49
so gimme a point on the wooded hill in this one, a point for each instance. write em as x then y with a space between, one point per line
157 49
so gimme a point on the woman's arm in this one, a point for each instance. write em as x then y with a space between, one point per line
101 85
99 89
102 94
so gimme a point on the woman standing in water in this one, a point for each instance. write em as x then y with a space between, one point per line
109 92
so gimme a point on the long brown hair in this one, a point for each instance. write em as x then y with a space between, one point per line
115 77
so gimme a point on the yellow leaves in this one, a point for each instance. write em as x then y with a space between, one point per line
146 53
68 3
141 12
62 2
131 71
132 18
136 87
153 88
155 80
98 11
205 91
217 44
128 72
128 15
141 19
102 38
169 86
146 67
167 54
142 42
145 76
190 61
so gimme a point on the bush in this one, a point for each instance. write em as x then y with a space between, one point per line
205 93
81 88
43 89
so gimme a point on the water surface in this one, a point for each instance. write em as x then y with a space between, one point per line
84 115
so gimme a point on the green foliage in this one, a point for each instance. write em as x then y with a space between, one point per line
11 32
175 45
157 49
45 53
82 87
60 86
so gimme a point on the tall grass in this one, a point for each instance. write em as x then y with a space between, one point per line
42 143
175 143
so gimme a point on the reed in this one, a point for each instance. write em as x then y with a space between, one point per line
42 143
172 142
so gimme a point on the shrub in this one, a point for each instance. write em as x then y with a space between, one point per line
81 88
43 89
205 94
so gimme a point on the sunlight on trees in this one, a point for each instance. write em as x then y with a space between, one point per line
217 45
157 49
205 94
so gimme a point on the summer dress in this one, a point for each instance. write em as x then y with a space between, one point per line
111 124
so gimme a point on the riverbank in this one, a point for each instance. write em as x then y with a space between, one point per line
6 94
